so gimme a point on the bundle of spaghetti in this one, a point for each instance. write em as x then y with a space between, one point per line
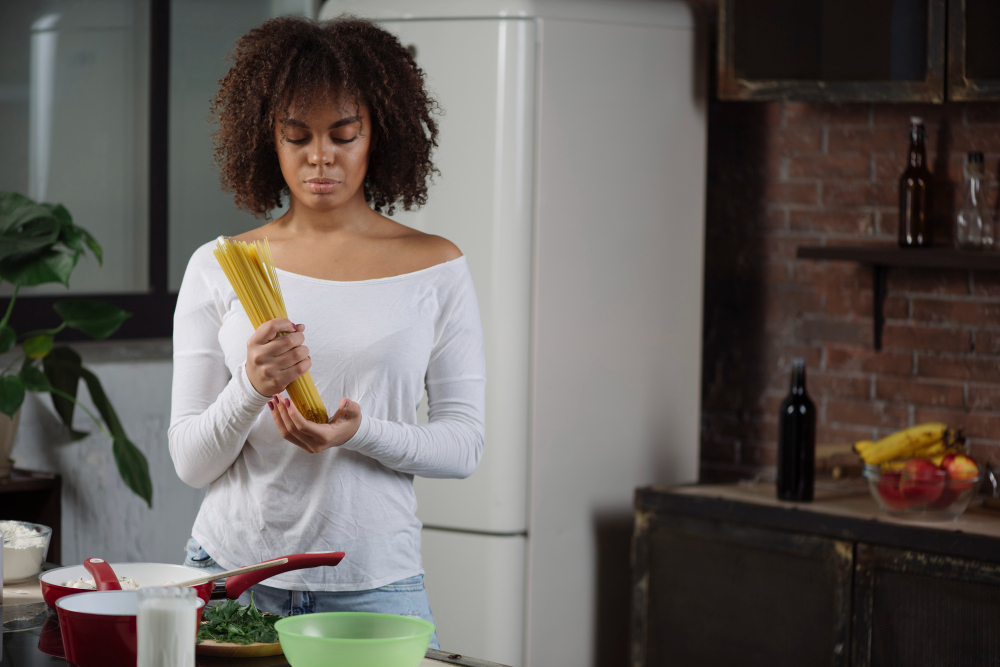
250 270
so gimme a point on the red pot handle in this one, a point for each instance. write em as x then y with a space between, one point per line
238 584
104 576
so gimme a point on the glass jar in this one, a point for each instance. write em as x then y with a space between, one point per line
167 626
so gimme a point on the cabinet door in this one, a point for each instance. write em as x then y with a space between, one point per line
832 50
918 609
710 593
973 50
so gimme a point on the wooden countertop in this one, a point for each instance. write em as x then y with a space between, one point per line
841 509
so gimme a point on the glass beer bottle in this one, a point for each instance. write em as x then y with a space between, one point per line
915 224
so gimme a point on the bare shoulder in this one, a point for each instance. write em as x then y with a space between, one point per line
413 250
433 249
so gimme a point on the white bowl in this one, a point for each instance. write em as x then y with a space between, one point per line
23 556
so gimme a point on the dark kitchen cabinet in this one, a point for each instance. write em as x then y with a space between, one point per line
722 593
727 575
924 610
35 497
832 50
973 50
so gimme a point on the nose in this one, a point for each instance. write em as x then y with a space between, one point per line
321 152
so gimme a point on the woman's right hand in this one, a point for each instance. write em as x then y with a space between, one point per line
274 361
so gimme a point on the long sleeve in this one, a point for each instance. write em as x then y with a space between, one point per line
211 413
451 443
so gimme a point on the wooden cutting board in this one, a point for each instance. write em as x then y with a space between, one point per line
229 650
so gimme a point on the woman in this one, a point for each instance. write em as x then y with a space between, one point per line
335 116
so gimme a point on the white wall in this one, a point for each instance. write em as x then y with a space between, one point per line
101 516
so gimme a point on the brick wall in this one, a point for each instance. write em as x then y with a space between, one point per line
785 175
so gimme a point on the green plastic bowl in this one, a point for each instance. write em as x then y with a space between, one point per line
354 639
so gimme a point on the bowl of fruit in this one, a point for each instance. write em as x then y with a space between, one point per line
922 472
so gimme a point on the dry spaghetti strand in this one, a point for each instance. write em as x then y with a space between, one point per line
250 270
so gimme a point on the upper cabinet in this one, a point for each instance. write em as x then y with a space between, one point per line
973 50
859 50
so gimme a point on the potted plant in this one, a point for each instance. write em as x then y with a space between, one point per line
40 244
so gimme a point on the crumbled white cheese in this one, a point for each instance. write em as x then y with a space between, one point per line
127 584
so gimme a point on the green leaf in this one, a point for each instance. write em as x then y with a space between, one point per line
17 210
63 370
93 245
38 347
7 339
37 268
34 379
132 464
61 215
102 403
69 234
11 394
34 236
134 469
237 624
97 319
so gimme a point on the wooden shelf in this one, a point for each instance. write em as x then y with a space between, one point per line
35 497
883 256
890 255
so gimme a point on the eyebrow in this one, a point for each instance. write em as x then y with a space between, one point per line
340 123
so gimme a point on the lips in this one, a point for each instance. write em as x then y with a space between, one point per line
322 185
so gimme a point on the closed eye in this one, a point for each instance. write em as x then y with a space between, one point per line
339 141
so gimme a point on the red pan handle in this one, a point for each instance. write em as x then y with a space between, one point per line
238 584
104 576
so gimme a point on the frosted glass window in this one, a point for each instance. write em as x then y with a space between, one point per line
74 91
202 34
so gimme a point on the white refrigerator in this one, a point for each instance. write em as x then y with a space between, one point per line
572 160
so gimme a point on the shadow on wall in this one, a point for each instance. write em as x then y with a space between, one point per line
736 347
943 186
613 606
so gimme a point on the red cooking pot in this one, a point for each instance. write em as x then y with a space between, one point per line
54 582
99 630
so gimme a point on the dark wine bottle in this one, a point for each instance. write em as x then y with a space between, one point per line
915 222
797 439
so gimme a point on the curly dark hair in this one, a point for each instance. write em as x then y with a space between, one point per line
293 59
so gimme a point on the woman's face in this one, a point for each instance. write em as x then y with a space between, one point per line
323 153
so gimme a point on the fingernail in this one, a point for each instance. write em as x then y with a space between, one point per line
287 402
270 405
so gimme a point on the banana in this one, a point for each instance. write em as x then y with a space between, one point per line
863 445
930 450
902 443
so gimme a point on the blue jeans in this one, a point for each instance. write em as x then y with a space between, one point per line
407 597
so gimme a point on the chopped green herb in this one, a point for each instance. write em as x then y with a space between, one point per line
238 624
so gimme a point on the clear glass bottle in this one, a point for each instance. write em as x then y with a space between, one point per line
973 225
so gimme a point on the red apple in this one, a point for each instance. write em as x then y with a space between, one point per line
922 481
960 468
888 490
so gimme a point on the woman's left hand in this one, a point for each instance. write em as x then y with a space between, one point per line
311 437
